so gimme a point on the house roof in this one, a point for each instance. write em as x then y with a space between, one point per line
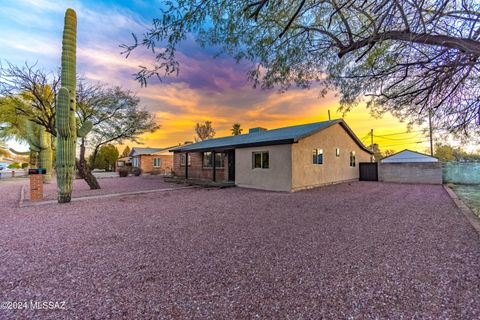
146 151
286 135
408 156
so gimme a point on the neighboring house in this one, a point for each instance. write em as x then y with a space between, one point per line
409 166
122 163
408 156
5 162
152 160
284 159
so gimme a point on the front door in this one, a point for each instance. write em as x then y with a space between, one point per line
231 165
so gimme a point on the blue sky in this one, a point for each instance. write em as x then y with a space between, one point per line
206 88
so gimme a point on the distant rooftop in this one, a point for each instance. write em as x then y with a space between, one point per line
143 151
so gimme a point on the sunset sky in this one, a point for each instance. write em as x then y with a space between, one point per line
207 88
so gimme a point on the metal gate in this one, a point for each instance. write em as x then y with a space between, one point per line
368 171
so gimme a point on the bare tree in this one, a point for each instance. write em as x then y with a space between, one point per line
404 57
204 131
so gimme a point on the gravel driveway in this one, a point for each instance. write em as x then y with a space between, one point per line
359 250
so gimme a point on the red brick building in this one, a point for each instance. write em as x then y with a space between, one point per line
152 160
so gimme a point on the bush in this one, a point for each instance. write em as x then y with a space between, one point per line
123 172
24 165
14 166
136 171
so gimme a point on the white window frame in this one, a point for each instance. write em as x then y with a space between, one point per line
353 159
318 152
159 160
262 155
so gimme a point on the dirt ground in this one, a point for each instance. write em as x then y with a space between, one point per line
358 250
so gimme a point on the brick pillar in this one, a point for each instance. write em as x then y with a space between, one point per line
36 187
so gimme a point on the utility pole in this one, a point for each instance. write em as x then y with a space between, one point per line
430 124
329 115
371 138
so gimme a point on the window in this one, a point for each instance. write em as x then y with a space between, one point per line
337 152
182 160
260 160
317 156
352 159
156 162
208 160
136 163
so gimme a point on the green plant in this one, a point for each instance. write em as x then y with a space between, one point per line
136 172
123 172
24 165
14 165
40 141
66 122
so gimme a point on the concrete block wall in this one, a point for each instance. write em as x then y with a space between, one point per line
413 172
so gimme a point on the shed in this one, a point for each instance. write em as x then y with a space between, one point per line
408 156
409 166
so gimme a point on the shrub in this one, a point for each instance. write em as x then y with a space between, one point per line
14 165
136 171
24 165
123 172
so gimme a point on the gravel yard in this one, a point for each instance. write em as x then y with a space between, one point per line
359 250
108 186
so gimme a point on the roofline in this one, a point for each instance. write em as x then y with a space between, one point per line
346 127
278 142
423 154
239 146
146 154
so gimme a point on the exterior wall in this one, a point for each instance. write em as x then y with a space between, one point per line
461 172
420 172
334 169
196 169
146 163
277 177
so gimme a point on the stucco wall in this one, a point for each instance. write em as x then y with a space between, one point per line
461 172
334 169
277 177
419 172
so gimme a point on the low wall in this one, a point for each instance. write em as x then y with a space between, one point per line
413 172
461 172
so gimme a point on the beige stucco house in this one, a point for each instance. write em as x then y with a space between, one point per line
284 159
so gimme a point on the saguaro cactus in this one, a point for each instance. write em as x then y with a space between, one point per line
66 123
41 141
41 153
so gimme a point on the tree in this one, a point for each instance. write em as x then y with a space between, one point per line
28 94
116 116
388 152
376 151
403 57
126 152
204 131
106 157
236 129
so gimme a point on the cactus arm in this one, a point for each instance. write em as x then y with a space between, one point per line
84 129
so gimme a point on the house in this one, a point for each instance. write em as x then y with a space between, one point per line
284 159
122 163
152 160
409 166
408 156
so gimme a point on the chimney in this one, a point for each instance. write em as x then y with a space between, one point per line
256 130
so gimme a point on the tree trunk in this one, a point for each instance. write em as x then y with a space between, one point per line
84 170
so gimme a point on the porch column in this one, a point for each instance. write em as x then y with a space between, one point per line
186 165
214 167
